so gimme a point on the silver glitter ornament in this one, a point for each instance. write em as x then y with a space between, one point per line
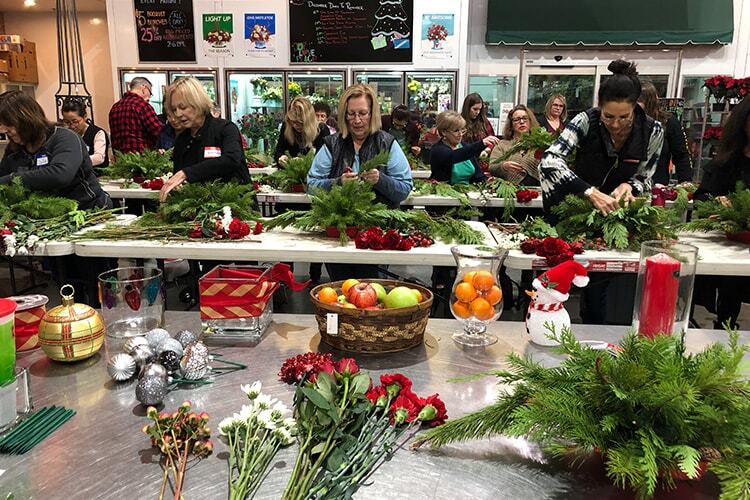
143 355
186 337
194 364
156 337
129 346
170 344
154 370
150 391
121 367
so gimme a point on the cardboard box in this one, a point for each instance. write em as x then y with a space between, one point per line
22 66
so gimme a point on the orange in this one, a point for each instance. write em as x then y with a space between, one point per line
461 310
348 284
481 309
327 295
493 295
469 277
465 292
483 281
417 294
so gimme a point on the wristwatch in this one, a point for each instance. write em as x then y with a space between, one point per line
589 192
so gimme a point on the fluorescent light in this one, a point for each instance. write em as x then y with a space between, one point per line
29 3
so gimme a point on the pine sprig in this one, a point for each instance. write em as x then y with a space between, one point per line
377 161
149 165
201 199
505 190
294 172
537 138
712 215
456 191
16 199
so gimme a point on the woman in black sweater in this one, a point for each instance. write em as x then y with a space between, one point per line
451 160
675 143
300 131
96 139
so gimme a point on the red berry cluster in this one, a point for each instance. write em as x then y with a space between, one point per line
375 238
155 184
526 195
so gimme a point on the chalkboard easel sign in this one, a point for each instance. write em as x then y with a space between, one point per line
351 31
165 30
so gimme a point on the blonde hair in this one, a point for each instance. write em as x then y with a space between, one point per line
548 107
508 130
353 92
449 120
192 92
300 110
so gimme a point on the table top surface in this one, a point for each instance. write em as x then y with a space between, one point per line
101 452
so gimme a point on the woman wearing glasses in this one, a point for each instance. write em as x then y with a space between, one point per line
617 147
95 138
521 167
451 159
555 114
300 131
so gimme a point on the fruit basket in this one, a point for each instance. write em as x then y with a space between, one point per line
372 329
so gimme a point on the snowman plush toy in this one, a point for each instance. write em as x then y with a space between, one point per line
546 307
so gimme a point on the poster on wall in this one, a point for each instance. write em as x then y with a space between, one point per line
164 30
260 35
352 31
217 34
438 39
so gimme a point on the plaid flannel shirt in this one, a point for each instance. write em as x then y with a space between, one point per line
133 124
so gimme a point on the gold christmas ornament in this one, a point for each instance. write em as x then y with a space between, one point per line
70 331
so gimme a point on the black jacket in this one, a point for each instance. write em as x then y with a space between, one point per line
675 149
411 131
443 157
61 167
190 154
88 139
283 146
720 178
545 124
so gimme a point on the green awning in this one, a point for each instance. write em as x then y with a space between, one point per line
605 22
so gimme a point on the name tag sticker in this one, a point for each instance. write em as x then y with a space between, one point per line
211 152
42 160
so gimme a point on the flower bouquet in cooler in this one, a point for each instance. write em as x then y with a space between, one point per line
346 427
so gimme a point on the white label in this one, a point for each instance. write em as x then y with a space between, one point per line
42 160
211 152
332 326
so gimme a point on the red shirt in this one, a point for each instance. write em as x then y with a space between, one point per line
133 124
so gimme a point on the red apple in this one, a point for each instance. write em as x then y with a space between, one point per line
362 295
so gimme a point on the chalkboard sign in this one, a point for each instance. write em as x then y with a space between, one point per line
351 31
165 30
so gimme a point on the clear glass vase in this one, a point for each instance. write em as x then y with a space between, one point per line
476 298
664 291
132 300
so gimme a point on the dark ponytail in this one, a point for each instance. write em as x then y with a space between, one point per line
623 85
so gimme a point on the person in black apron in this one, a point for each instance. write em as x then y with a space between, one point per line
95 138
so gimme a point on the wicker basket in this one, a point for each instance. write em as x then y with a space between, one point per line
384 330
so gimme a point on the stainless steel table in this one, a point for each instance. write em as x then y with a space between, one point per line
101 452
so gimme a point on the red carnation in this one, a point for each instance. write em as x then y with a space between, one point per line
238 229
553 260
391 239
529 246
552 246
403 410
404 245
361 241
377 396
157 184
296 367
433 411
196 232
258 228
395 383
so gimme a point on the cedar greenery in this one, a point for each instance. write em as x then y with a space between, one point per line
650 408
712 215
16 199
149 165
505 190
537 138
537 227
456 191
197 200
626 227
293 173
376 161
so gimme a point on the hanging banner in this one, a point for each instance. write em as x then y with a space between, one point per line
164 30
438 40
260 35
217 35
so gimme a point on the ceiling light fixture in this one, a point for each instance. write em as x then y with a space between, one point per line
29 3
95 20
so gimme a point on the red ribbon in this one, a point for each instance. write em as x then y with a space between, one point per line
279 272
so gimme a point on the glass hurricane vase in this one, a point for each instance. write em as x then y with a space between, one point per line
476 297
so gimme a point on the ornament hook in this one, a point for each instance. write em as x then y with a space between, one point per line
67 299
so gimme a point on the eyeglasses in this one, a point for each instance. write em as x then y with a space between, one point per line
72 122
557 105
459 132
622 121
520 119
351 115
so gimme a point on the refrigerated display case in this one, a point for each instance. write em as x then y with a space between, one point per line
159 81
431 91
207 78
316 86
255 102
389 87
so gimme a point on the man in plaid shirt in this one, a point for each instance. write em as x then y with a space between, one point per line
133 124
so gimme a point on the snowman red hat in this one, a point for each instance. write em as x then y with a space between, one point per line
558 280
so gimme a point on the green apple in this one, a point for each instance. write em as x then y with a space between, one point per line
379 290
342 299
400 296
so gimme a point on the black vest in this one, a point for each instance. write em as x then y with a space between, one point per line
599 164
342 153
88 139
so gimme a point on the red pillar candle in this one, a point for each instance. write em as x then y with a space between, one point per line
659 295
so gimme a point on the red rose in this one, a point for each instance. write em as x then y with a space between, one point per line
391 239
576 247
258 228
347 366
157 184
5 231
552 246
395 383
256 186
530 245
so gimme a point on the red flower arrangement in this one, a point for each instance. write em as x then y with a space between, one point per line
526 195
725 86
712 133
554 250
155 184
375 238
297 367
437 32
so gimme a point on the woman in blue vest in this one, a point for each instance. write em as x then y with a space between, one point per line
617 149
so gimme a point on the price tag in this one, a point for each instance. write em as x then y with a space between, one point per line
332 324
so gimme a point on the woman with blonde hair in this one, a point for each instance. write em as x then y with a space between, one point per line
555 114
521 167
452 160
207 148
300 131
